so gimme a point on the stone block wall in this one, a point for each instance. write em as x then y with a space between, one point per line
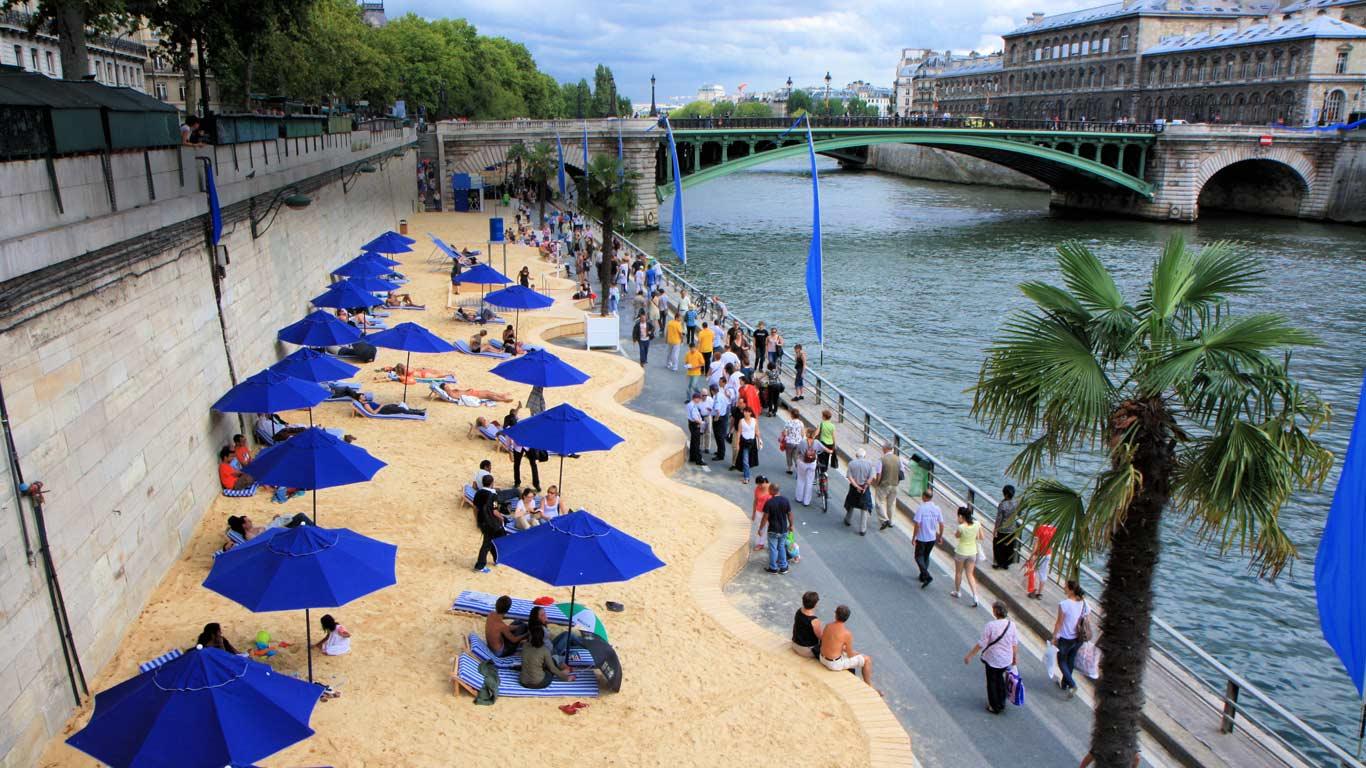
918 162
108 395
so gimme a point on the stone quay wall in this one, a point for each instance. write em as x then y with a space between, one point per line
917 162
111 352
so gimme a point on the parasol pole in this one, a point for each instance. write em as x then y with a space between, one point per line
569 639
407 371
1361 729
560 484
308 638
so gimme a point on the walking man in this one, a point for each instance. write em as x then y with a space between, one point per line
704 344
778 518
720 420
673 336
489 521
860 496
695 423
927 528
889 475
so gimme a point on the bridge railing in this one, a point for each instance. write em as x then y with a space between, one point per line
1224 692
921 121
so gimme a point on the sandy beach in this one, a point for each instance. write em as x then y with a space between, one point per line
695 694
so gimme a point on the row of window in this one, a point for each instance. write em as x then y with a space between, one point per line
1090 77
1242 67
45 62
1255 108
1064 47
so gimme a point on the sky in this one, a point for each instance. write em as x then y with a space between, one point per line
690 43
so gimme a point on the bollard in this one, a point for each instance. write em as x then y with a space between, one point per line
403 226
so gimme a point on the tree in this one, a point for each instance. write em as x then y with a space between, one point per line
69 20
624 107
723 108
798 103
693 109
1196 413
517 154
753 109
606 193
604 91
828 107
859 108
541 164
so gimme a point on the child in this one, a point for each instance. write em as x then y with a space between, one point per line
241 453
337 640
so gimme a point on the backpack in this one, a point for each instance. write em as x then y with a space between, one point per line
810 454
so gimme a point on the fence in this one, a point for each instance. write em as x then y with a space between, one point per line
1223 690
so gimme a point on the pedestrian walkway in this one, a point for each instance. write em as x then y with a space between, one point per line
916 637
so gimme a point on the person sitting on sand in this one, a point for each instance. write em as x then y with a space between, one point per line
230 477
498 634
336 639
241 453
510 343
212 637
524 514
538 667
837 647
552 505
477 342
482 394
390 409
402 300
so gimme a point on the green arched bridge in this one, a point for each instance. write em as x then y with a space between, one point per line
1132 169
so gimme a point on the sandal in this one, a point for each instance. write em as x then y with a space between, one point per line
579 705
569 709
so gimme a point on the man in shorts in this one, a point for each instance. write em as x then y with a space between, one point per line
837 648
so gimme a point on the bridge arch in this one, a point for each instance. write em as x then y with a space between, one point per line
1061 170
1271 180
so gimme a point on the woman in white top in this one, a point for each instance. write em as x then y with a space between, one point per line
808 453
336 640
1069 632
750 443
999 646
551 504
523 515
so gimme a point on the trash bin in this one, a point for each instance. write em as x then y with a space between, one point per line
403 226
920 475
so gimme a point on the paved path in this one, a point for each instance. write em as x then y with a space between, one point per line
916 638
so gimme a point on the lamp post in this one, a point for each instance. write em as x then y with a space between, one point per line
827 93
654 110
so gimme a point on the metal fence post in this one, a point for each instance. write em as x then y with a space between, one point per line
1230 707
818 391
867 426
841 408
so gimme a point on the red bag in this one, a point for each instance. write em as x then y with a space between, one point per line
1031 578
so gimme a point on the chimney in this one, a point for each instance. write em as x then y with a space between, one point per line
1274 20
1035 17
1172 5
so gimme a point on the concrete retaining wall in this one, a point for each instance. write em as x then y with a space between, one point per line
108 388
918 162
1347 197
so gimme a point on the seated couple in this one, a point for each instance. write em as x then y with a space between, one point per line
272 429
230 473
405 375
539 666
484 315
241 529
529 511
402 300
833 644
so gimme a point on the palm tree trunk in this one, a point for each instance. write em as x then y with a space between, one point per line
1127 601
540 193
608 259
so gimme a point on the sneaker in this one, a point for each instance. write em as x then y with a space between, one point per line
770 570
782 571
485 569
863 533
884 526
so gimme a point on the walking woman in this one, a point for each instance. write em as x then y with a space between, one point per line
758 529
799 372
1070 630
826 434
1003 538
968 535
641 333
750 443
999 646
808 450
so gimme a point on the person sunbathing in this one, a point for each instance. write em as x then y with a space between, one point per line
510 343
402 300
406 375
488 428
390 409
477 342
482 394
484 315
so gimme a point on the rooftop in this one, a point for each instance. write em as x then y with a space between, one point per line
1306 4
1229 8
1291 29
981 68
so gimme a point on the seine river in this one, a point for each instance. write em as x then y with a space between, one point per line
918 276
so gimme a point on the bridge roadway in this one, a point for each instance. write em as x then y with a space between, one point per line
917 638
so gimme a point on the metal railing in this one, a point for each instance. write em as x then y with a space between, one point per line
917 121
1215 684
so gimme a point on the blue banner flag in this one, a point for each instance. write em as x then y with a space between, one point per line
1340 566
559 150
585 150
621 155
215 210
815 273
676 236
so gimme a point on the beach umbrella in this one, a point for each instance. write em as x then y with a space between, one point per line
389 242
540 369
564 430
372 284
363 267
314 459
271 392
312 365
411 338
519 298
291 569
204 709
575 549
584 618
376 258
345 295
319 329
481 275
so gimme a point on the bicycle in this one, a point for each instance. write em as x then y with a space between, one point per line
823 486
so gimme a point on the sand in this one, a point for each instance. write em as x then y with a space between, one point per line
694 694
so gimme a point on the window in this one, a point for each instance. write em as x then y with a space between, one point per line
1119 75
99 73
19 56
1100 77
1124 39
1247 67
160 89
1261 68
1276 66
1105 43
1065 53
1086 47
1014 50
182 93
1200 73
1341 66
1076 47
33 58
1294 63
1228 69
51 65
1332 107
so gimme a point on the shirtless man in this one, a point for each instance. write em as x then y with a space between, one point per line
477 342
482 394
837 647
401 300
502 639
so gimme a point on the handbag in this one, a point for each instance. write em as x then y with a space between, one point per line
1084 626
1015 687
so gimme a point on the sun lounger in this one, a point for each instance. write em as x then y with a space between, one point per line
467 676
241 493
369 397
476 647
436 391
463 346
416 307
380 314
472 603
494 319
447 379
171 655
360 411
498 344
490 432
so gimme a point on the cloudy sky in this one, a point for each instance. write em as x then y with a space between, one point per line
688 43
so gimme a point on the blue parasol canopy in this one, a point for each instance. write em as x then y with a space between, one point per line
576 549
411 337
518 297
270 392
539 368
205 709
345 295
372 284
362 267
1340 566
314 459
389 242
320 329
481 274
312 365
564 430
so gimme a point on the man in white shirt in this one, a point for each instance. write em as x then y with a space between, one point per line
695 426
720 421
927 527
708 413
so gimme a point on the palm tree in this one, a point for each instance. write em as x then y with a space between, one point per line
605 193
516 154
540 166
1196 413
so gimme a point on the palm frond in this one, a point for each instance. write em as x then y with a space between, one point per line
1220 270
1172 279
1087 278
1109 504
1241 345
1053 299
1050 502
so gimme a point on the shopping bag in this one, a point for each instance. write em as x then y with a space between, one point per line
1050 662
1088 659
1031 577
1015 687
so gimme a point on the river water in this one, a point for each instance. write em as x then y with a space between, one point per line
918 277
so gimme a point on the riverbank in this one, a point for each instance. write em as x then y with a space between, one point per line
916 162
698 690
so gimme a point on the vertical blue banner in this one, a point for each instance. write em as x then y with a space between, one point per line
815 273
621 154
676 236
215 210
585 149
1340 566
559 150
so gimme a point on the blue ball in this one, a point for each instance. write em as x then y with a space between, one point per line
23 487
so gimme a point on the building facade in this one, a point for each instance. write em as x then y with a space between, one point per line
114 60
167 81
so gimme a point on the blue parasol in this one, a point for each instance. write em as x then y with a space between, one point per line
313 459
312 365
563 430
411 338
389 242
319 329
270 392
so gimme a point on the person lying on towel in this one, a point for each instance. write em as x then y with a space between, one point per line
484 315
390 409
402 300
406 375
363 351
482 394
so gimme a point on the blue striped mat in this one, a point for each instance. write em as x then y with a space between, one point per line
481 604
579 658
585 683
171 655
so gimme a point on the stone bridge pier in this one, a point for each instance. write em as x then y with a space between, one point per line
1303 174
474 147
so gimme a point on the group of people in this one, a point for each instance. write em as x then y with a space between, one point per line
833 643
531 639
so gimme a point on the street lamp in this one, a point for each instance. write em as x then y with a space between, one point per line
827 92
654 110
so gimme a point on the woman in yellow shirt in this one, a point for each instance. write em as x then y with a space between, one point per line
968 537
694 362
